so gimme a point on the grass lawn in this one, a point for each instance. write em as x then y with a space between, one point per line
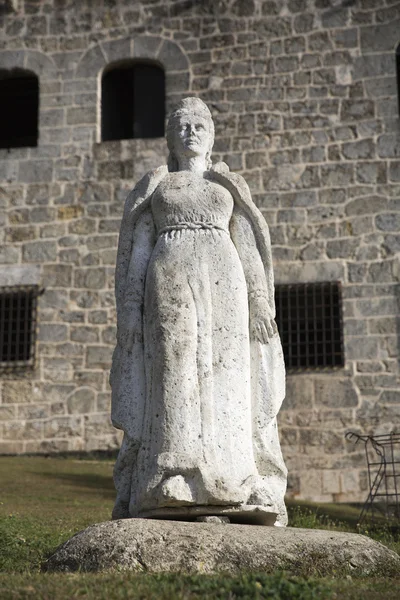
44 501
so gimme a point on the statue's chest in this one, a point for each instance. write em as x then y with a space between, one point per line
183 195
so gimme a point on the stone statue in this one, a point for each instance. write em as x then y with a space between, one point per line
198 374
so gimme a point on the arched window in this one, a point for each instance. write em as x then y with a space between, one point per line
132 101
19 108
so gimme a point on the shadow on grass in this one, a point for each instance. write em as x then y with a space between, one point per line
345 515
85 482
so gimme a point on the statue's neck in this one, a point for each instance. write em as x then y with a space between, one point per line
195 164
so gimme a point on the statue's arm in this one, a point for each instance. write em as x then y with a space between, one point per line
136 241
261 306
130 311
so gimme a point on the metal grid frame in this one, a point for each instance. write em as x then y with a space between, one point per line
18 312
309 319
383 460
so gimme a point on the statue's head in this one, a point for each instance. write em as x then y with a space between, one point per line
190 131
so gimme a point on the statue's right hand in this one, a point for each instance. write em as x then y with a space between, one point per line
129 329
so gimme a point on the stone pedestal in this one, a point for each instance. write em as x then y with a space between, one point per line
172 546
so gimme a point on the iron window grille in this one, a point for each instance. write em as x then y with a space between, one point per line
18 308
132 101
309 319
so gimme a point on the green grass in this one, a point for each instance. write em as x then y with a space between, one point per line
44 501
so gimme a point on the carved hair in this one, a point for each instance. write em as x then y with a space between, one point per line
188 106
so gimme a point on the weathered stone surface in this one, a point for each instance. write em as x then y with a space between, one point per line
163 321
171 546
339 392
34 171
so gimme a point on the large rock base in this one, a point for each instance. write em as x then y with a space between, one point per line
173 546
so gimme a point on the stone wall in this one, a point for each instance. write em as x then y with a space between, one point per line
304 97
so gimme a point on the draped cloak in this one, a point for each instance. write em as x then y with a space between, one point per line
128 382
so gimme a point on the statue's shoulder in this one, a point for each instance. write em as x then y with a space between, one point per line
145 187
232 181
150 179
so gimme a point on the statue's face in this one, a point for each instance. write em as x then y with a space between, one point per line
191 136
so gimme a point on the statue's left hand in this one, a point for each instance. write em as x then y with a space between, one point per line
262 329
262 324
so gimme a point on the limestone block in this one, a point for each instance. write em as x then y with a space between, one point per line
299 393
10 447
9 255
388 222
335 393
98 357
10 59
84 334
394 171
82 400
390 397
171 56
57 369
342 248
331 482
382 86
380 38
80 226
360 149
355 109
33 411
63 426
91 63
90 278
40 63
81 115
120 49
49 332
8 412
15 392
361 348
374 65
23 430
39 252
98 425
56 275
146 46
337 175
34 171
389 145
20 234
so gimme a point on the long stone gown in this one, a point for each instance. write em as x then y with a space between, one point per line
197 441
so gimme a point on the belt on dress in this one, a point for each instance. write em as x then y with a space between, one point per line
193 225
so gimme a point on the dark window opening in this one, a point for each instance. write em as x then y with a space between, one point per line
398 74
19 108
309 319
17 325
133 102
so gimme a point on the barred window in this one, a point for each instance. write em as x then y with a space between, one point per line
19 108
17 326
309 319
132 101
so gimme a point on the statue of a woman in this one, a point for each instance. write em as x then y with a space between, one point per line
198 374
